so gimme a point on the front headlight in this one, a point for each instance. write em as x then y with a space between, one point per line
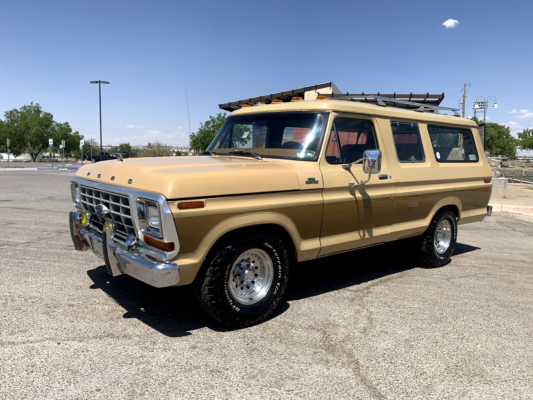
75 192
152 211
149 217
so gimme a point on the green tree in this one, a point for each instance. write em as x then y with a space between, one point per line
3 138
29 129
199 141
498 139
156 149
525 139
125 149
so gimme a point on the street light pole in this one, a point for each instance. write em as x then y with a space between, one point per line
484 104
100 102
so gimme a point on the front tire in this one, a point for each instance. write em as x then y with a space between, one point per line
244 281
438 242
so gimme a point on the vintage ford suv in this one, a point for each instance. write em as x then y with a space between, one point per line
282 183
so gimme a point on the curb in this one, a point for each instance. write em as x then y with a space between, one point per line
525 210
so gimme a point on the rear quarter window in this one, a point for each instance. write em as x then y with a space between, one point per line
453 145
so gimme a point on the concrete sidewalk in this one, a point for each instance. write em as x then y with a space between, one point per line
518 199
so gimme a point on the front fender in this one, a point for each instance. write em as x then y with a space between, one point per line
190 263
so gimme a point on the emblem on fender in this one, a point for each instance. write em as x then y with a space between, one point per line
311 181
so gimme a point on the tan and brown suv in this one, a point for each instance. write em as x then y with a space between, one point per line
282 183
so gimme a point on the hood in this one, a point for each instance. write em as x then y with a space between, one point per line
194 177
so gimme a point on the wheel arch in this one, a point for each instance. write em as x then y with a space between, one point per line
279 224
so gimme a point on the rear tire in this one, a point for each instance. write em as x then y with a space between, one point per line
436 245
242 283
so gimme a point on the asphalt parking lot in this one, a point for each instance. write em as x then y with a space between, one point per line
370 324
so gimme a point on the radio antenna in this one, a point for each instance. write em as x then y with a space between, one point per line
189 116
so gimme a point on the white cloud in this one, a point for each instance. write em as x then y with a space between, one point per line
132 127
450 23
524 113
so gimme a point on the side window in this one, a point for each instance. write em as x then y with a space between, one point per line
349 139
407 141
453 144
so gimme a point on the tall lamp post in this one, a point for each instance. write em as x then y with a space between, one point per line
484 105
100 98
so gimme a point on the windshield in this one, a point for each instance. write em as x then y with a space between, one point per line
295 135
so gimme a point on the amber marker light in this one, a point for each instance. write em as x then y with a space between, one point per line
321 97
189 205
246 105
296 99
158 244
487 180
277 101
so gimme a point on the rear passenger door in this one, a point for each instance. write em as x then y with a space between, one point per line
413 173
353 216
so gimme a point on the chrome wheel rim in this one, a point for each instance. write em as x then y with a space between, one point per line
251 276
443 236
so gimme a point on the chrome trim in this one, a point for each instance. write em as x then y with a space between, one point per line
140 263
111 262
168 228
157 273
78 239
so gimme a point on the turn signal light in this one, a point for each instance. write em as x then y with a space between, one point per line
487 180
158 244
321 97
246 105
277 101
188 205
296 98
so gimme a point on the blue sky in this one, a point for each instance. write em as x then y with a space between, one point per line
152 51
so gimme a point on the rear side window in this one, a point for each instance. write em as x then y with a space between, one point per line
407 141
453 144
349 139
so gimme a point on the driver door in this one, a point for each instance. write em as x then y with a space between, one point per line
355 215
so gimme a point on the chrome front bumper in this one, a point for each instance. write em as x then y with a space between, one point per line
142 265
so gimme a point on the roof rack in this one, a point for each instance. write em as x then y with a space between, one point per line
380 100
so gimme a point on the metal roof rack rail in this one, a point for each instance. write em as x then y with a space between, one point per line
421 107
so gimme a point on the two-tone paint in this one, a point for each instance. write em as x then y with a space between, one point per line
312 201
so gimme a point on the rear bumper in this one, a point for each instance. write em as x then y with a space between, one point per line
139 263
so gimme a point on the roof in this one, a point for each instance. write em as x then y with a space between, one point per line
388 112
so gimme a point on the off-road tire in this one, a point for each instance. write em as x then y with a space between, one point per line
428 255
211 285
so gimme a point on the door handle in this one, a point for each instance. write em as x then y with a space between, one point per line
384 176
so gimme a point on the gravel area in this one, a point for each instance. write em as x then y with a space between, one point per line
370 324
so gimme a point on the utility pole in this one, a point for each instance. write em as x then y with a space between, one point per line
464 100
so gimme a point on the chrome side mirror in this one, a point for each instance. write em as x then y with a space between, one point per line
372 162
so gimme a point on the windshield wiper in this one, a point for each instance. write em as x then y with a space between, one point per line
246 153
208 153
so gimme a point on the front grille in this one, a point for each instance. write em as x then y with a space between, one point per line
118 205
